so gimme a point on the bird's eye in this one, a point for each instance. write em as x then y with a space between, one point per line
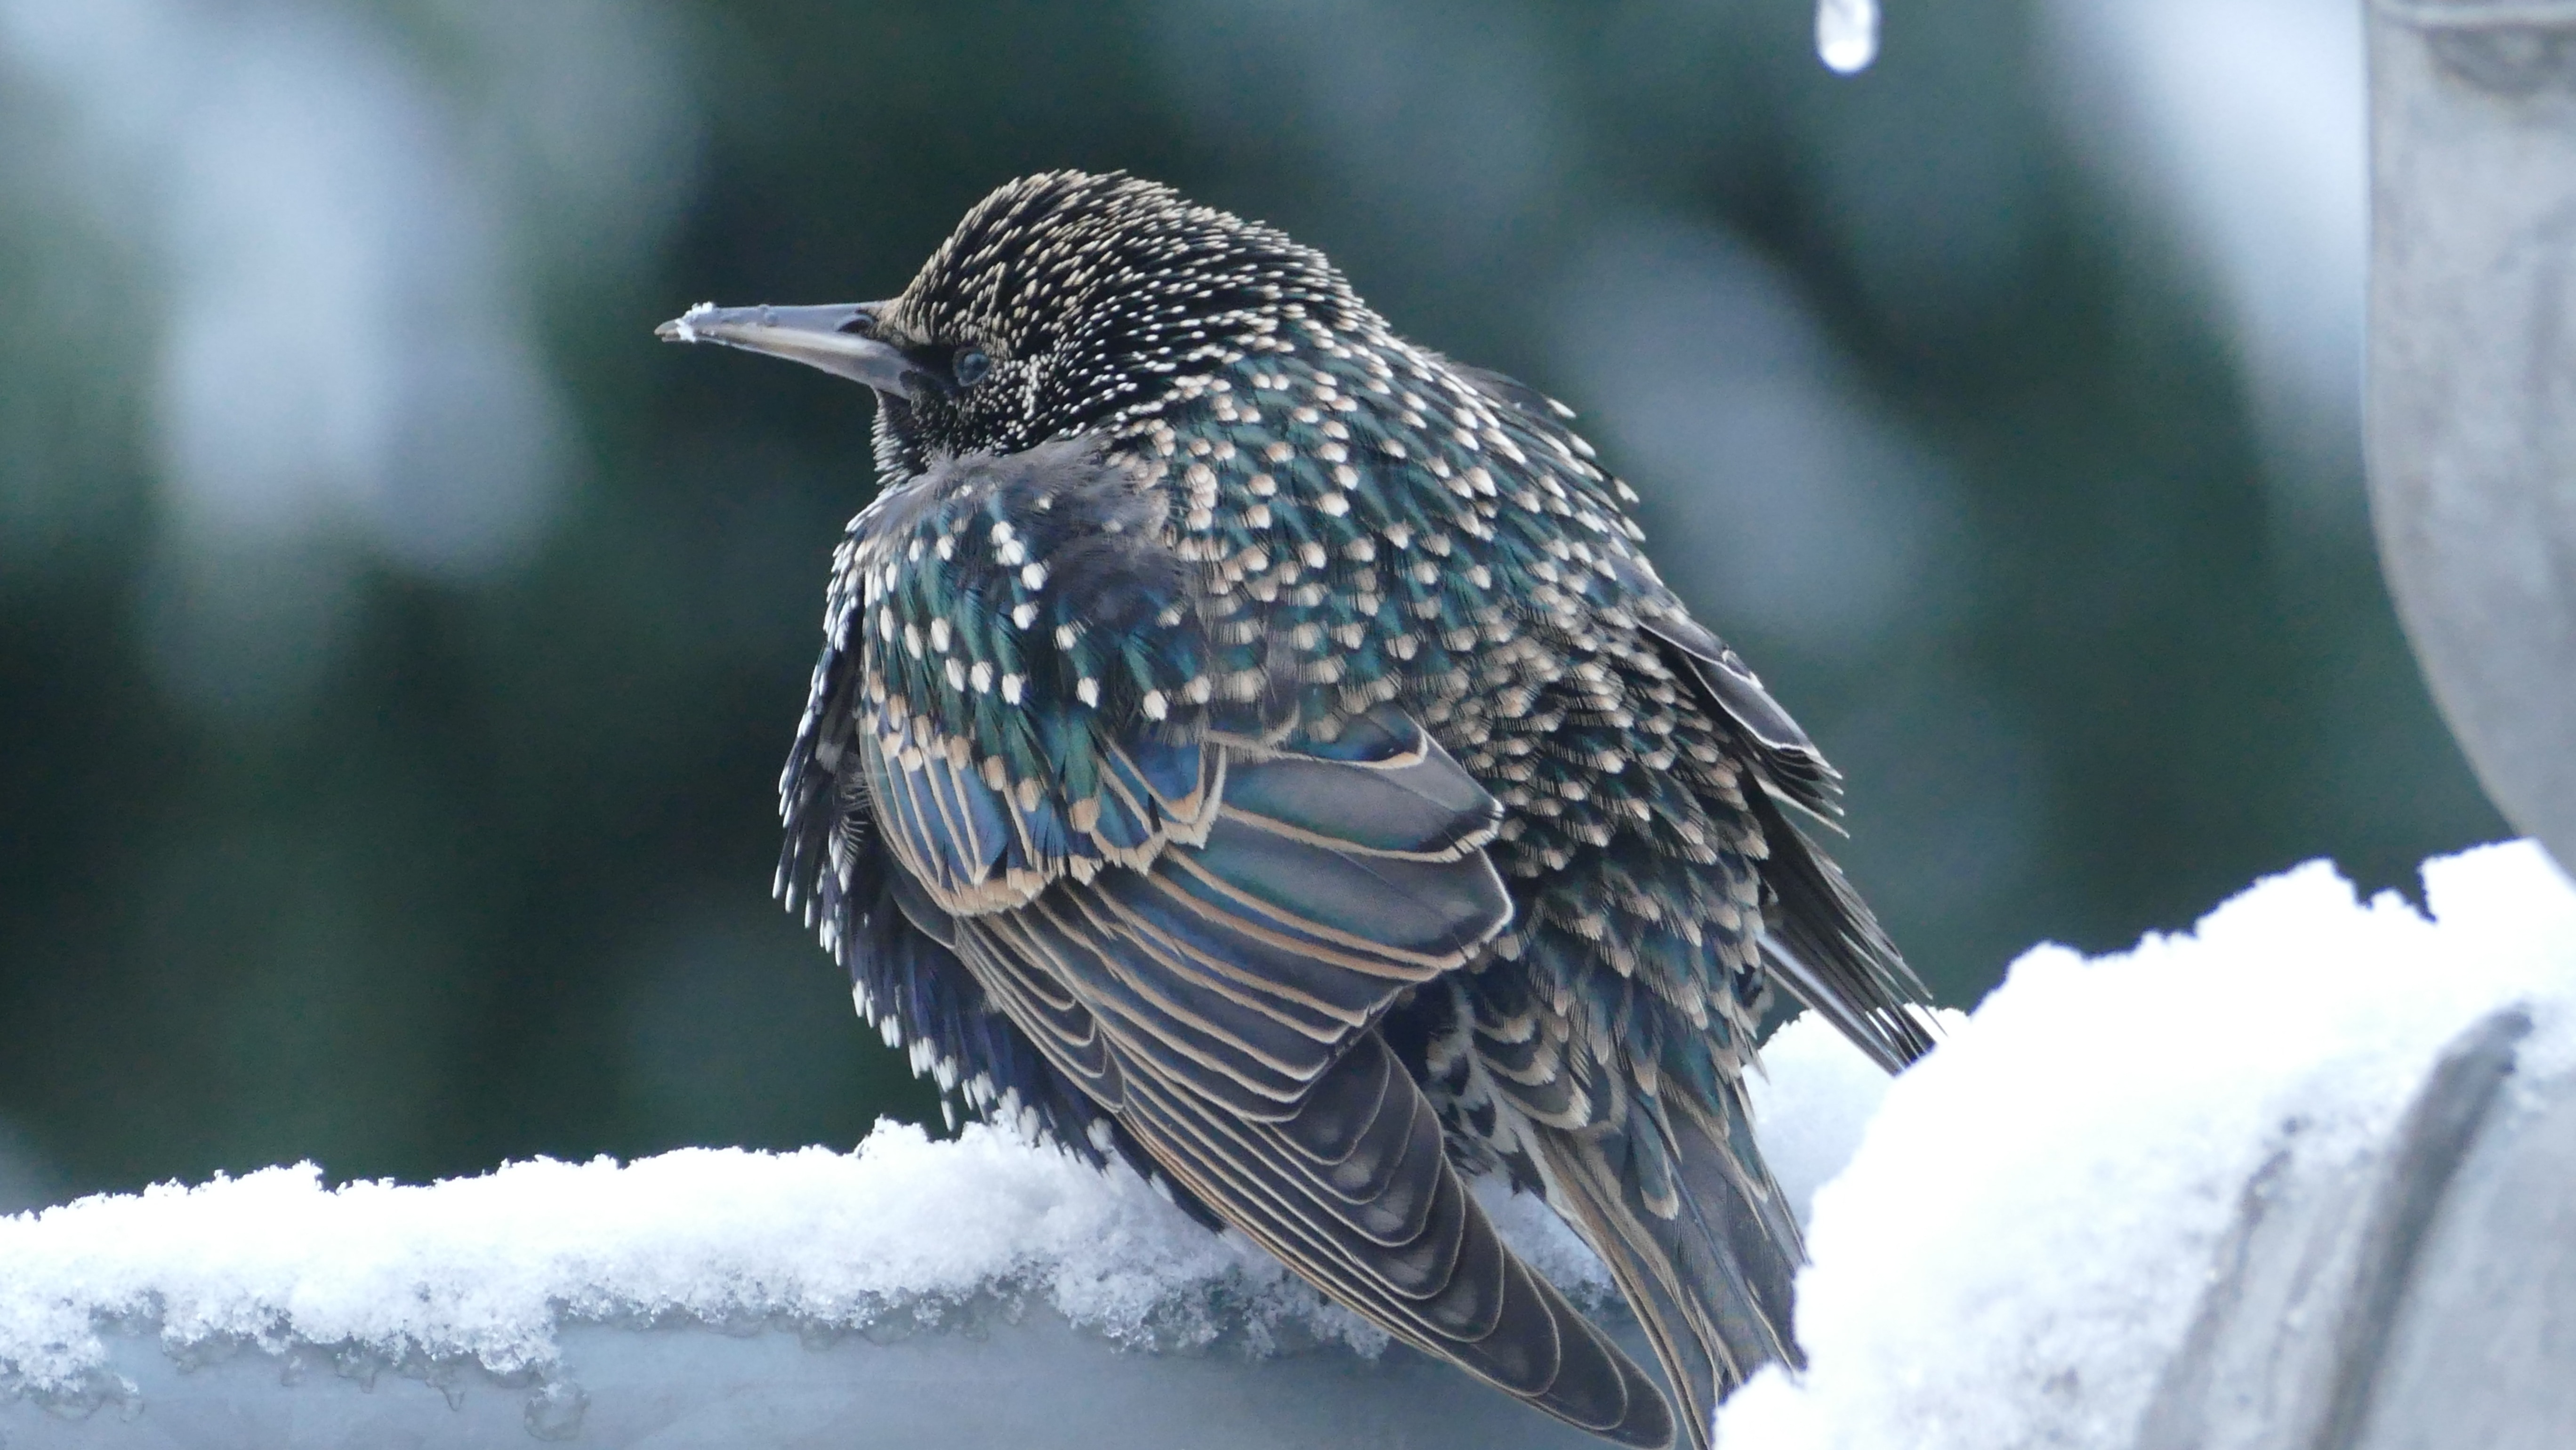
970 367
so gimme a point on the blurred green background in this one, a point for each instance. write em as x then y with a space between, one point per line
398 647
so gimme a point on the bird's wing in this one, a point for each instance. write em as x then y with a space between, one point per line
836 870
1673 1194
1196 924
1822 941
1030 672
1789 760
1819 938
1239 966
976 841
1222 1000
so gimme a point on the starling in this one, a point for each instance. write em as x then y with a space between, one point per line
1254 747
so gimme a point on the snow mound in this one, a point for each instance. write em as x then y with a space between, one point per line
2016 1254
904 1233
485 1269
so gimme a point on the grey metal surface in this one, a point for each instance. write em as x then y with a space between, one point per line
2240 1380
2286 1347
2482 1351
2472 378
2422 1296
1035 1382
2441 1127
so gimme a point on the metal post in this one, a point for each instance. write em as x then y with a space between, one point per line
2472 378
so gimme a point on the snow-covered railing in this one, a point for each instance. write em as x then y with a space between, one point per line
2297 1178
932 1292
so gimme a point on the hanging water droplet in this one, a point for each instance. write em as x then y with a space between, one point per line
1847 34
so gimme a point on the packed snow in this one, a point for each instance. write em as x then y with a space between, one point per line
2010 1243
488 1268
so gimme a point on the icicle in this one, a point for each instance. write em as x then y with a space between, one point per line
1847 34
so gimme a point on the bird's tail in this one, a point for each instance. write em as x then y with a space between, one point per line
1676 1201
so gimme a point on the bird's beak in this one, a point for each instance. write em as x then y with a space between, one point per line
839 338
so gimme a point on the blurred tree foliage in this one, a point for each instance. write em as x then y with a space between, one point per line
495 884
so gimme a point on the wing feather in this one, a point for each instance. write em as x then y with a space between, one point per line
1448 1286
1227 992
1820 939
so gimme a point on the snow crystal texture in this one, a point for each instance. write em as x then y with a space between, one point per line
487 1268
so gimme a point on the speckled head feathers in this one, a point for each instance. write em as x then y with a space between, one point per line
1084 292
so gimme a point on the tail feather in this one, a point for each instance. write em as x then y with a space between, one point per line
1708 1264
1823 943
1356 1193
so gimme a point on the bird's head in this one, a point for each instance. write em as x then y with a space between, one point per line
1061 301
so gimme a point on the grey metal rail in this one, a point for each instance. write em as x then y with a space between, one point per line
2472 378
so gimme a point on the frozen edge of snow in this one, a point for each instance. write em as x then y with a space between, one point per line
903 1233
